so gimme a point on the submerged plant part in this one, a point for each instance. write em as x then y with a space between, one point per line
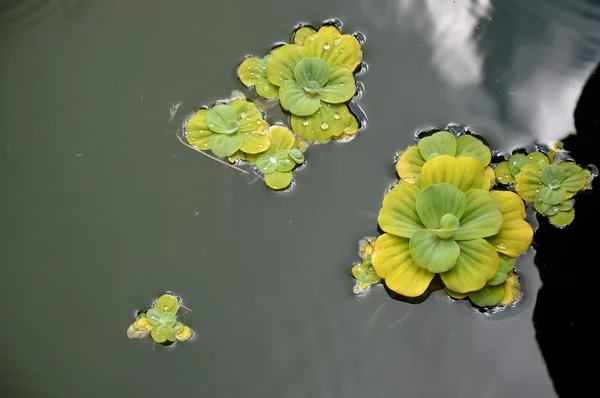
363 272
228 128
549 186
315 79
160 322
411 161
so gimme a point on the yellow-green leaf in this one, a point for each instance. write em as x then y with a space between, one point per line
279 180
281 63
562 218
468 145
489 296
528 182
512 290
574 178
197 132
255 143
464 173
281 138
392 262
335 48
503 174
489 173
477 263
398 214
167 303
409 165
249 117
440 143
184 334
248 72
301 34
331 120
510 204
481 218
456 295
538 159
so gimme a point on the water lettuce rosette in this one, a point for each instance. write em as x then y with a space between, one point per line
315 80
228 128
160 322
448 223
411 161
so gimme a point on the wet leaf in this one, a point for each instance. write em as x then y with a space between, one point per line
562 218
552 173
477 263
503 174
574 178
153 316
329 44
169 333
481 218
167 319
331 120
516 163
538 159
178 327
158 334
248 72
197 132
468 145
255 143
440 143
302 33
294 99
185 334
566 205
489 174
393 262
284 161
516 234
340 87
167 303
409 165
552 196
222 119
296 155
398 214
432 253
455 295
436 200
281 138
224 145
281 63
267 163
279 180
489 296
507 264
528 182
312 71
464 173
365 273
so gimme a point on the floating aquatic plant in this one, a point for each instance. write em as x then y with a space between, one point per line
314 80
160 322
363 272
549 182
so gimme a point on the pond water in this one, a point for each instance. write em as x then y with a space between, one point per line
103 209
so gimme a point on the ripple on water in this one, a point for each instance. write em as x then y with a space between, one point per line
31 15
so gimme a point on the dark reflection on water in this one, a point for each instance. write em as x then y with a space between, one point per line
102 208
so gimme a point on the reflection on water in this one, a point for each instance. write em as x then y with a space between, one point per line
103 208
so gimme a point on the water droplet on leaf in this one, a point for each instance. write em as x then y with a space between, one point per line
336 116
324 125
327 46
501 246
305 122
337 42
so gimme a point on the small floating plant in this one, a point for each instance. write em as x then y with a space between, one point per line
160 322
313 80
444 226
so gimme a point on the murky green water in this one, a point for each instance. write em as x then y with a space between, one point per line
103 209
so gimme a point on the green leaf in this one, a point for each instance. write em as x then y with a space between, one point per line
250 118
170 333
482 216
567 205
562 218
255 143
341 86
440 143
222 119
267 163
281 138
365 273
153 315
436 200
281 63
296 155
167 303
296 100
468 145
392 260
552 196
279 180
544 208
178 327
503 174
489 296
330 121
398 214
224 145
197 132
266 89
430 252
167 319
552 174
311 69
507 264
528 182
285 162
516 163
158 334
329 44
575 177
477 263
